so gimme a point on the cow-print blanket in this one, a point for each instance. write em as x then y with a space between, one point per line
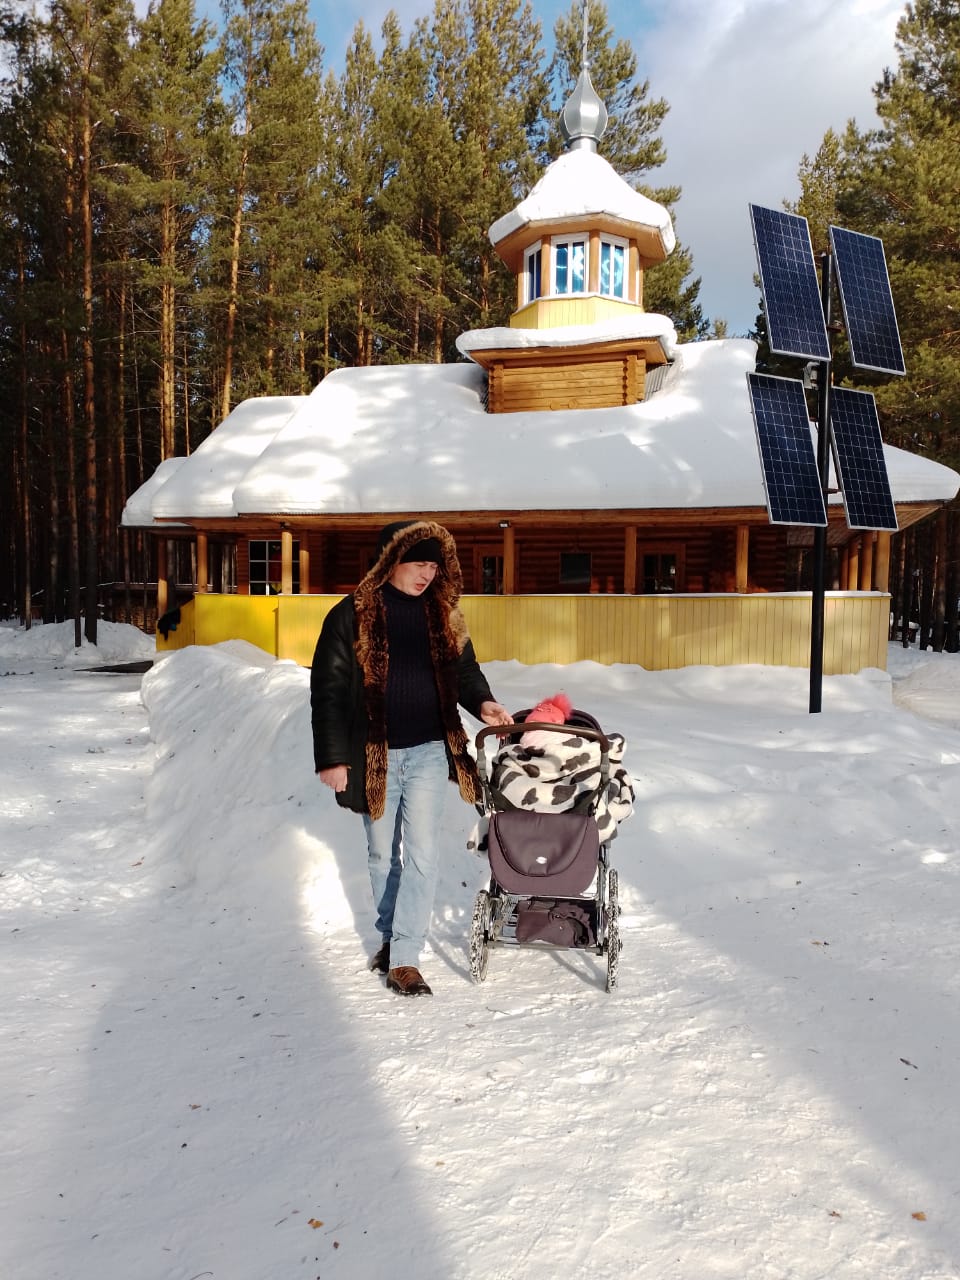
553 775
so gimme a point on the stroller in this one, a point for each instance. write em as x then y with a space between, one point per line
551 883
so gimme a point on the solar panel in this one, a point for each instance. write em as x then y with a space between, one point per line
867 302
790 476
788 280
861 466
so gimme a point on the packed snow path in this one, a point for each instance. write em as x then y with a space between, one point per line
200 1077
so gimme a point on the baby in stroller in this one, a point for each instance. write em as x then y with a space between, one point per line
554 795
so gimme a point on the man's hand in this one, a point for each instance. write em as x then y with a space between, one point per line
492 713
335 777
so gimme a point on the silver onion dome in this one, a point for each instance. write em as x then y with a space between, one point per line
584 117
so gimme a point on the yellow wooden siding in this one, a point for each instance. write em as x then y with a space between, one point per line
655 632
548 313
185 633
210 619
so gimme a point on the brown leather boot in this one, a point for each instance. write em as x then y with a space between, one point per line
407 981
380 963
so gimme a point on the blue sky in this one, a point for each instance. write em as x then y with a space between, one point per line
752 85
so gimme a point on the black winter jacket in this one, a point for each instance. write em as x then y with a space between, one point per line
349 672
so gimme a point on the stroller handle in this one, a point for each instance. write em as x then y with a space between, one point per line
513 730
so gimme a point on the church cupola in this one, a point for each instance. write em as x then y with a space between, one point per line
578 245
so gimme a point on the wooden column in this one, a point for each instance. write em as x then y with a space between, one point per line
162 587
304 566
203 563
630 560
546 268
593 266
286 562
852 581
742 575
866 562
509 562
881 563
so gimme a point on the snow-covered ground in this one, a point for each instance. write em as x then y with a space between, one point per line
200 1078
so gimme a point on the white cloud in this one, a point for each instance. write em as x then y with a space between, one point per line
752 86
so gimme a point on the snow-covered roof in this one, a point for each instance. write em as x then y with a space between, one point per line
203 485
642 324
138 509
581 184
418 438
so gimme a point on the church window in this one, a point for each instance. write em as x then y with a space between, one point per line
533 265
569 266
613 268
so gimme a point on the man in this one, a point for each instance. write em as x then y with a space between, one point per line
392 663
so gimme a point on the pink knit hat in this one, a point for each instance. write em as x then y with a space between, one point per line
555 710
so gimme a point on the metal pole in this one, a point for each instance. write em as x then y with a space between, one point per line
823 466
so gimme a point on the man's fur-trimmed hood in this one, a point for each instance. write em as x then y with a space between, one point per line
448 583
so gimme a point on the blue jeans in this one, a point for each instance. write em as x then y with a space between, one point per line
403 848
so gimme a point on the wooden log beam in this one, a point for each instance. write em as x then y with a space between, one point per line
630 560
742 572
881 563
203 563
286 562
509 561
868 542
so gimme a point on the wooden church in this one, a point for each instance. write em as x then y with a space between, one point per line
602 480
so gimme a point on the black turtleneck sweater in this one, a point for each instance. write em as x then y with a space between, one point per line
412 702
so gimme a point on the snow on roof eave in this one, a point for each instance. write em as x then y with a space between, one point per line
138 509
203 487
915 479
645 326
582 184
614 222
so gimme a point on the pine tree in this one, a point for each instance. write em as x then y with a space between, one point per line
80 54
904 190
901 182
359 164
172 106
267 223
484 93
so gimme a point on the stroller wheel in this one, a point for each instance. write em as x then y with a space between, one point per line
479 944
613 929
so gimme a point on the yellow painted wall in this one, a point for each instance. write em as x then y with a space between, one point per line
591 308
655 632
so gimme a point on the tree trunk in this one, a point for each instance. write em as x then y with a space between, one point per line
906 586
168 337
926 565
939 583
952 639
230 330
53 610
73 514
22 465
89 403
